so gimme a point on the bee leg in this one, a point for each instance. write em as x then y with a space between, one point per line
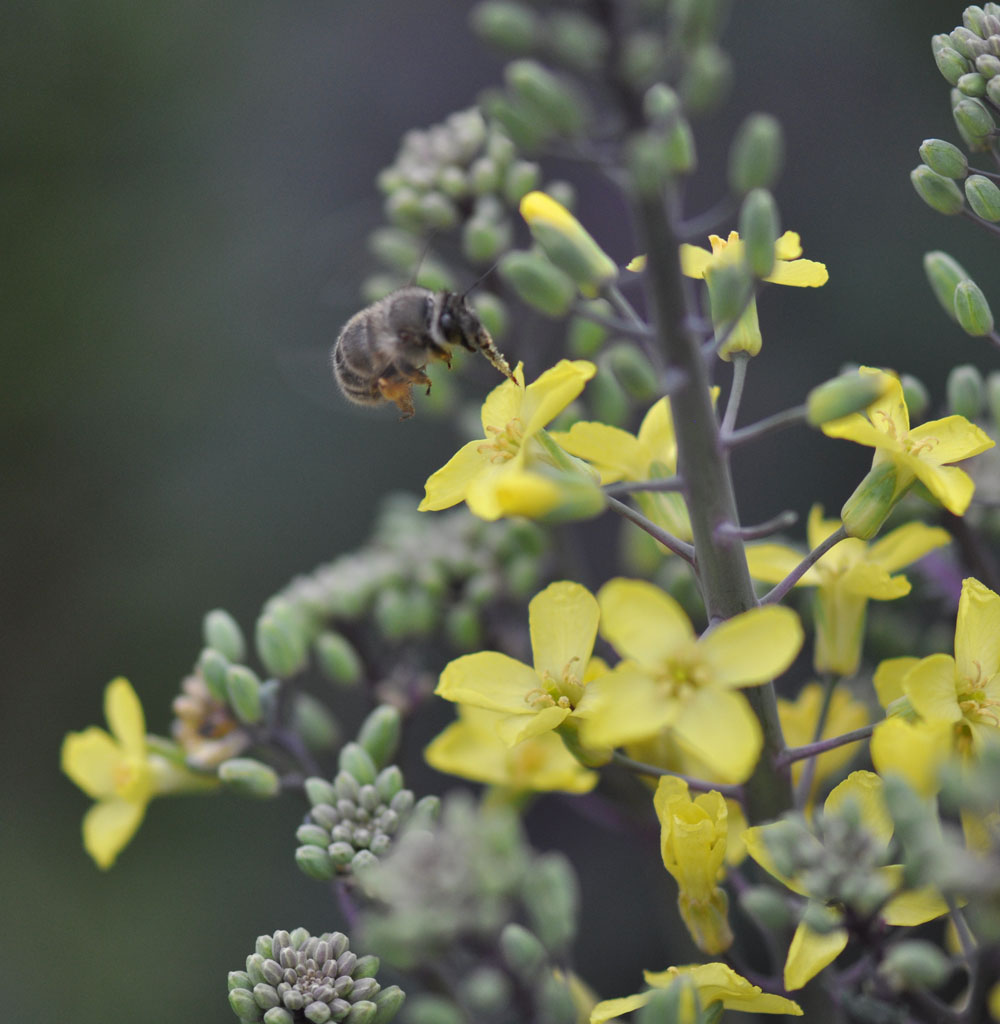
400 392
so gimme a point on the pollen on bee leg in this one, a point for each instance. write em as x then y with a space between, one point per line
400 392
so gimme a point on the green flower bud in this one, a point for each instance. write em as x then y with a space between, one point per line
243 693
968 44
522 952
523 576
484 176
768 906
492 312
437 211
983 197
608 399
507 26
485 990
993 397
338 659
425 1009
520 178
550 100
850 392
678 148
678 1003
759 227
915 964
576 41
972 310
537 282
315 723
398 249
222 633
974 119
239 979
974 19
315 862
281 642
698 21
634 371
972 84
248 777
939 193
966 391
869 506
484 240
729 288
567 243
402 208
213 668
951 64
379 733
463 628
312 835
650 162
452 182
555 1001
661 105
585 337
821 919
943 158
988 65
915 395
756 155
244 1005
643 57
356 761
706 79
993 91
388 1000
944 274
552 896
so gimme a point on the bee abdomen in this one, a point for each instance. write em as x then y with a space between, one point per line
352 365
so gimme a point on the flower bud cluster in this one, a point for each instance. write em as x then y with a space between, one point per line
299 977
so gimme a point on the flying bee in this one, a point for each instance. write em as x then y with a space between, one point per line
382 351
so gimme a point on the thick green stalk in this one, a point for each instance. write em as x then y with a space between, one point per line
704 466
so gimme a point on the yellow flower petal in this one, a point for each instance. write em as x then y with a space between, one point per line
717 982
755 839
907 544
516 728
515 493
107 828
124 715
718 727
866 792
489 679
889 676
951 439
447 486
856 428
868 580
799 273
771 563
641 621
953 487
788 246
913 750
656 433
916 906
563 624
977 632
504 402
810 952
930 685
615 454
695 261
553 391
89 758
623 706
753 647
609 1009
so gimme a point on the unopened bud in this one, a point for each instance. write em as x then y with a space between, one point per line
706 79
988 65
843 395
972 84
243 693
484 240
281 643
584 336
951 64
555 1000
944 158
388 1000
214 667
244 1005
972 310
993 397
869 506
756 155
315 723
768 906
538 282
508 26
974 19
938 192
567 243
356 761
249 777
492 312
338 659
634 371
316 862
968 44
379 734
915 964
983 197
821 919
222 633
944 274
576 40
993 90
916 396
759 227
552 897
548 97
973 118
522 952
661 105
427 1009
520 178
678 1003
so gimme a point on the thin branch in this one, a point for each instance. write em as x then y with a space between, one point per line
646 337
786 757
780 522
619 326
809 771
993 229
667 483
698 785
965 937
668 540
789 418
699 225
741 361
782 588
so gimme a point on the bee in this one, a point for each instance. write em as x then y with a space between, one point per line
382 351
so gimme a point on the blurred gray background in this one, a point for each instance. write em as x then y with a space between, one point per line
185 192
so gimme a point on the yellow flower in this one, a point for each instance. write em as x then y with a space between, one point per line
846 578
812 950
513 416
672 678
799 718
554 693
956 699
567 243
471 748
693 836
714 983
120 772
788 269
903 456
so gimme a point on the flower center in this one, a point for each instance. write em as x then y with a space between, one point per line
505 443
684 674
976 706
131 778
563 692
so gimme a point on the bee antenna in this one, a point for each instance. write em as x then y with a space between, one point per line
479 280
420 262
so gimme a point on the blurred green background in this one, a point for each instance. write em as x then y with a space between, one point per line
186 188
